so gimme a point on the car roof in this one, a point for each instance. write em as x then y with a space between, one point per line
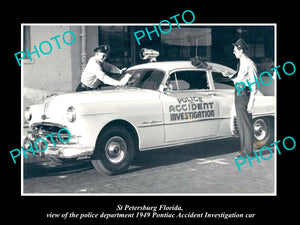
174 65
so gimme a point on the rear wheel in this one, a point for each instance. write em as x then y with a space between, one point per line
263 131
114 151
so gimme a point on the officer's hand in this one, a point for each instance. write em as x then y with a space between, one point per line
225 73
125 79
123 70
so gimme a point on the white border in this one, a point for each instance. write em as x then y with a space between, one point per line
152 194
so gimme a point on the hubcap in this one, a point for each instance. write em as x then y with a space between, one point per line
115 149
260 129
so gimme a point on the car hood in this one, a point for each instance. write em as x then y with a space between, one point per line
112 95
56 106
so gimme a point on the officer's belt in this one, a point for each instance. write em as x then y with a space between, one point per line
86 87
245 91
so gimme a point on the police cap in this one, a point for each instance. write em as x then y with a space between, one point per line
102 48
241 44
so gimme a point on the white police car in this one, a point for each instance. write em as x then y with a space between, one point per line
164 104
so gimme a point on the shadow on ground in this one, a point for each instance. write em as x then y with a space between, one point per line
143 160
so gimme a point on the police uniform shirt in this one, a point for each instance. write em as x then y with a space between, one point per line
93 74
247 71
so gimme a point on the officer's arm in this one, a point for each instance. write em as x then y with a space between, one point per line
110 81
252 71
231 76
225 73
252 74
238 75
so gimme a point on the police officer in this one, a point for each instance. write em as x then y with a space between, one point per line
93 74
245 101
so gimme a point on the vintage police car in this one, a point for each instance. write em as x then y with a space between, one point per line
164 104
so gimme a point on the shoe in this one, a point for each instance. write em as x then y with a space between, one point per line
251 155
240 155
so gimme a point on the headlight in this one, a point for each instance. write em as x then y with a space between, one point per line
27 113
71 114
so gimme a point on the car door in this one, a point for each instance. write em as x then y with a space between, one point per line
190 108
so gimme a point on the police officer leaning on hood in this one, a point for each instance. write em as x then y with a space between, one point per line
244 102
93 74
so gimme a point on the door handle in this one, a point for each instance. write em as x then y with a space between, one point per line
212 93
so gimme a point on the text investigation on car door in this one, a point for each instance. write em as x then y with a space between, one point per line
191 108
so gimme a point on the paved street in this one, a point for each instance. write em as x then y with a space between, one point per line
203 168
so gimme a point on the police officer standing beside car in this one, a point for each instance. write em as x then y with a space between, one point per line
93 74
244 102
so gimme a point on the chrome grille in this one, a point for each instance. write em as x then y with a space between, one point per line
41 130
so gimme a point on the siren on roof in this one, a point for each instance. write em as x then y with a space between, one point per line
150 54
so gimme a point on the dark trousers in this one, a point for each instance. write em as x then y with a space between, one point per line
82 87
244 121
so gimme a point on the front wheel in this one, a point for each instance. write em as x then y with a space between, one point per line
263 131
114 151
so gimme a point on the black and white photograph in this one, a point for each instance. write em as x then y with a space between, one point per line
173 119
105 115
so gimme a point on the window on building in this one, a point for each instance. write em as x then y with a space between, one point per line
257 50
186 42
117 37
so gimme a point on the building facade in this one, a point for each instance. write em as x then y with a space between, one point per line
60 70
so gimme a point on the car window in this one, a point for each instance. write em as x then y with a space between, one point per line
222 82
188 80
146 79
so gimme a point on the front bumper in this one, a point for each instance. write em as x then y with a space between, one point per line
69 150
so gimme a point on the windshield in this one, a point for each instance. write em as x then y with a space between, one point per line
146 78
